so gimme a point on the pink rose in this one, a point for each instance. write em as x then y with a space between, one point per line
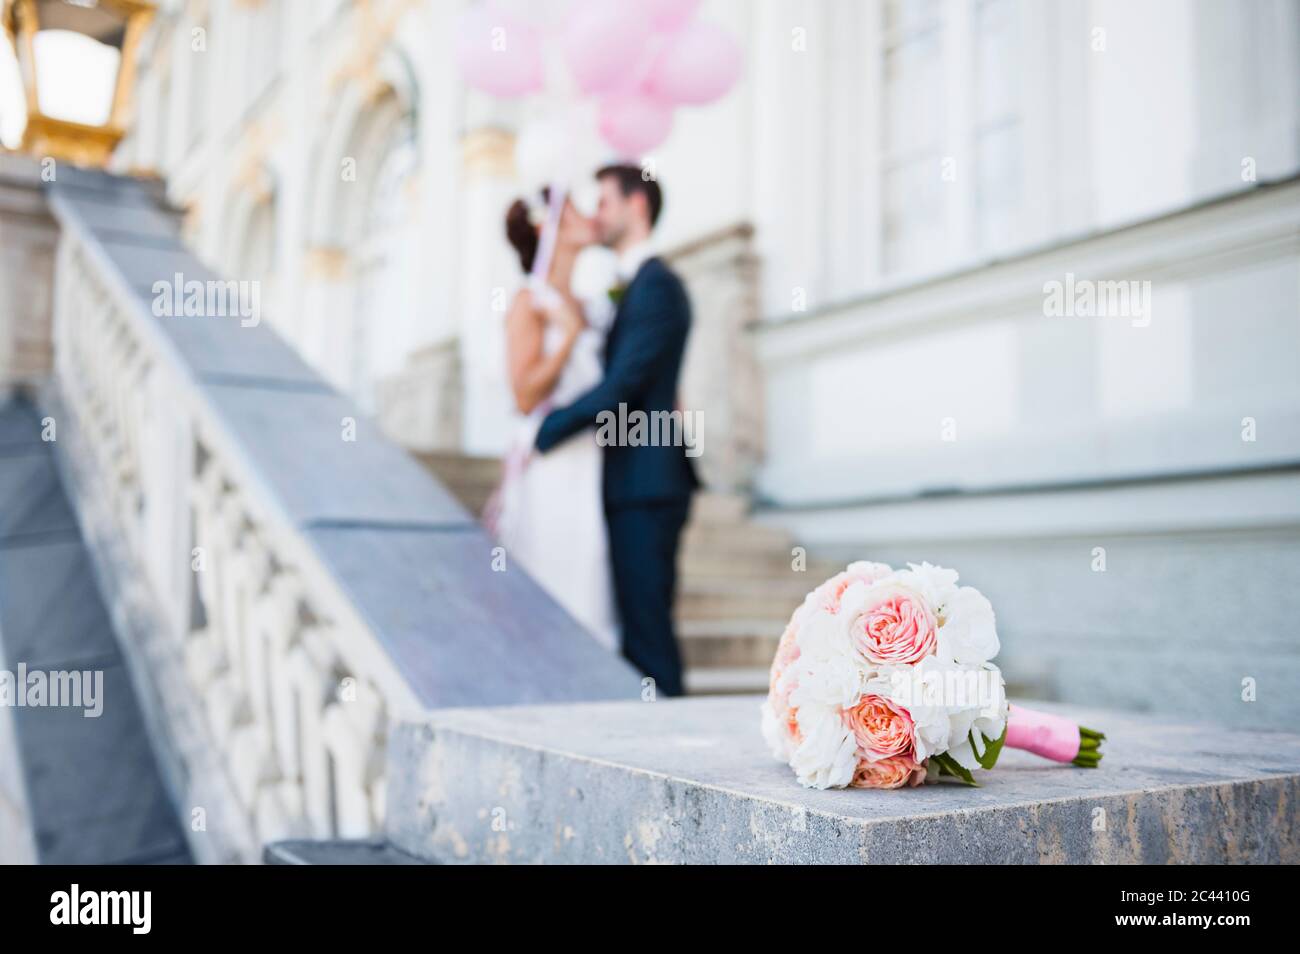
829 594
882 729
779 689
895 629
893 772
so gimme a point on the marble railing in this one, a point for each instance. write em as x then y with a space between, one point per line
288 582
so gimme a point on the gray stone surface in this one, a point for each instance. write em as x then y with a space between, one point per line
37 505
104 185
53 616
343 852
220 348
691 781
115 215
463 633
294 440
92 785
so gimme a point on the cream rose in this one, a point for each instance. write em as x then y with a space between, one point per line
881 728
893 772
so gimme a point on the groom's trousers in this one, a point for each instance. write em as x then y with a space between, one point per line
643 542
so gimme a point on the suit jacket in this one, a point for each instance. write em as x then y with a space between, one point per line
643 360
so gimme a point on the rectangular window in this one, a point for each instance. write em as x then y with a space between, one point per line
913 127
951 132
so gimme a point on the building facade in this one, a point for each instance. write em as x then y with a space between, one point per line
1013 284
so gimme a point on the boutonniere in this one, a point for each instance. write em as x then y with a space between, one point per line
616 293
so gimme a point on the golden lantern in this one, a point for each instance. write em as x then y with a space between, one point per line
77 60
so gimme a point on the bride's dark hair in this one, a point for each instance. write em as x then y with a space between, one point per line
521 232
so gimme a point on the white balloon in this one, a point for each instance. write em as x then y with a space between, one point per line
557 148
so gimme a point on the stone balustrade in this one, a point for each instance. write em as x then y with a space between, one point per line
286 581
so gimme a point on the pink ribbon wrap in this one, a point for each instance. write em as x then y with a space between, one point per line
1051 736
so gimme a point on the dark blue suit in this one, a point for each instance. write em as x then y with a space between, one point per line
647 488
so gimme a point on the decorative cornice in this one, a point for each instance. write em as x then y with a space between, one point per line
488 152
331 262
373 32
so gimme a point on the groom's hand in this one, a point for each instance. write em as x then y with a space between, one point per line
546 438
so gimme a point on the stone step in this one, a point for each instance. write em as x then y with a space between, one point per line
446 465
737 540
726 680
730 643
471 480
341 851
762 598
691 781
711 507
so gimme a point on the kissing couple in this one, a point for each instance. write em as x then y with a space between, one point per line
597 523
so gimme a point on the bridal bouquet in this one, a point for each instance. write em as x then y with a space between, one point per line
884 678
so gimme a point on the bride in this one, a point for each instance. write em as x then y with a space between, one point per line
548 511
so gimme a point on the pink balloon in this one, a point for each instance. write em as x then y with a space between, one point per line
499 53
696 66
669 15
634 123
603 43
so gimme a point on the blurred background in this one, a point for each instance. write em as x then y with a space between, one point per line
871 224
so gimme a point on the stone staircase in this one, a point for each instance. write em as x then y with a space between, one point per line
736 588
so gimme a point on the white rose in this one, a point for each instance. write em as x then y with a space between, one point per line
986 720
823 635
774 733
969 633
936 584
930 723
868 570
827 681
828 754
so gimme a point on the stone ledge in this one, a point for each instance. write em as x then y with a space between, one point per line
339 852
690 781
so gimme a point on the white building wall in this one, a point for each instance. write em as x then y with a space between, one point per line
1118 111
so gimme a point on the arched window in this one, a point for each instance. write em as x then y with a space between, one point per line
249 252
365 311
384 258
257 248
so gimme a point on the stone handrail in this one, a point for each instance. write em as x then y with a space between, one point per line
288 582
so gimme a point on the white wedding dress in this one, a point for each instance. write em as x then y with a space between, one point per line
552 515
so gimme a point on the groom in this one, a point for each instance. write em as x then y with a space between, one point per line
647 488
